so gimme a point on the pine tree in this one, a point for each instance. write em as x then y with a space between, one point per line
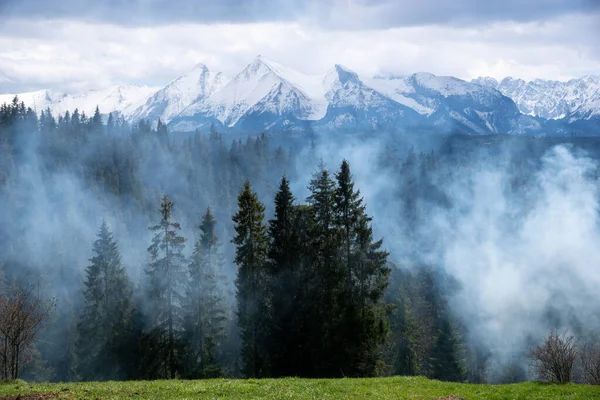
96 121
327 279
448 364
364 327
111 124
206 314
162 133
284 257
348 210
167 275
47 123
105 325
373 273
251 243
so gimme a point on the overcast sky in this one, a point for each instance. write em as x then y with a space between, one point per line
75 45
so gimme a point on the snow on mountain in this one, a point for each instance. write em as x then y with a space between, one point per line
39 100
574 99
448 101
263 88
266 95
170 101
401 91
116 98
354 104
123 99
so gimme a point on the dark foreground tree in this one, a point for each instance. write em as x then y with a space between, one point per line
105 328
206 314
167 282
251 243
326 281
364 328
447 366
284 262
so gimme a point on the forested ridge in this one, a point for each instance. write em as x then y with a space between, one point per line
195 258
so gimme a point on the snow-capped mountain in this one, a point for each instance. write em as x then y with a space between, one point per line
170 101
353 103
124 99
575 99
266 95
448 101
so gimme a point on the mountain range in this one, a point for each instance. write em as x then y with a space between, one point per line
267 96
574 99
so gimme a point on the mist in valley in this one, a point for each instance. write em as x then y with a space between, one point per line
491 240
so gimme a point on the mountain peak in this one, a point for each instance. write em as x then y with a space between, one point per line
266 93
344 74
200 67
268 63
486 81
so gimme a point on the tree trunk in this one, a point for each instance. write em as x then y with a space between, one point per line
17 348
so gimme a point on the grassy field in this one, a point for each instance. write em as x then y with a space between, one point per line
377 388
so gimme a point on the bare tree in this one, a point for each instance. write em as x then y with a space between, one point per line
554 360
589 356
22 315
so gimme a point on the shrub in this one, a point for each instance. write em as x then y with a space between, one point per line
553 361
589 356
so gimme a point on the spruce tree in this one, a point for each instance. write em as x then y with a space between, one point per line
167 281
448 363
206 314
105 326
251 243
96 121
348 210
110 123
364 327
162 133
373 273
284 256
328 280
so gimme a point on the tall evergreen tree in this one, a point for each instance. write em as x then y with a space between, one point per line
162 133
348 210
167 281
251 243
111 124
363 329
96 121
284 256
448 364
328 278
206 314
373 273
105 326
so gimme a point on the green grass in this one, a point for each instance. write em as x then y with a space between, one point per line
293 388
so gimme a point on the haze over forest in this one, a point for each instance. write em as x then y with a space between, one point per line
354 225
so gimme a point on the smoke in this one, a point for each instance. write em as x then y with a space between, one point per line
522 241
526 265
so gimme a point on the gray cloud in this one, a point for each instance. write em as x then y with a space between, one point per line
328 13
145 42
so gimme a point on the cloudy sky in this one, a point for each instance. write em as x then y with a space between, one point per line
75 45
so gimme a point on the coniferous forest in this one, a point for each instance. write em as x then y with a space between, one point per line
167 255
